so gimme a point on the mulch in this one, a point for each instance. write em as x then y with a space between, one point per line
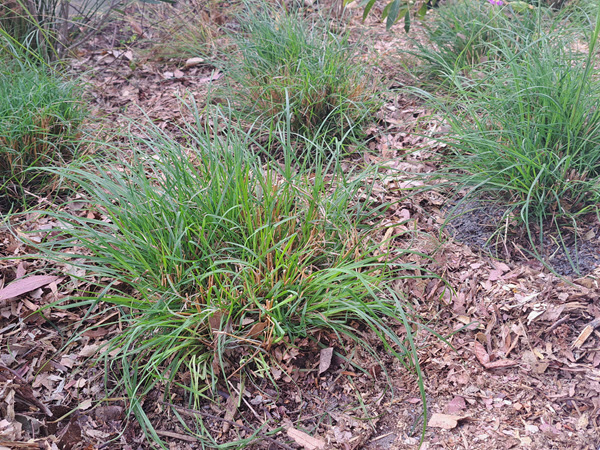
518 366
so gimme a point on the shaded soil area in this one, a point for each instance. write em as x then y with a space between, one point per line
520 366
480 226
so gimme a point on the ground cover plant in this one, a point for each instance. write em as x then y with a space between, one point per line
460 37
181 31
221 257
467 41
289 67
531 137
40 115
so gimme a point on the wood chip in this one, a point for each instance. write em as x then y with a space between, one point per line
585 333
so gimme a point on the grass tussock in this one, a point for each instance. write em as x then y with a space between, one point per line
529 137
291 70
184 30
220 256
467 41
40 116
538 136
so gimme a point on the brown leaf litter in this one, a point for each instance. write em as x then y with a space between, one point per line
522 368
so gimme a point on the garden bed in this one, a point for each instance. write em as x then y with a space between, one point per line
522 368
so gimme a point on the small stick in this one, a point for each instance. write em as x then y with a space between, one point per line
557 323
380 437
230 422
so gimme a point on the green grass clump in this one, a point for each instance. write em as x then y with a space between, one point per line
180 32
39 119
220 256
533 138
466 39
30 27
290 68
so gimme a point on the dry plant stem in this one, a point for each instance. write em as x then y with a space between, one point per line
194 412
244 400
557 323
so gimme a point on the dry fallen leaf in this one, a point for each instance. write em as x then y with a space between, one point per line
215 321
257 329
500 364
445 421
500 266
484 358
230 412
481 354
305 440
325 359
213 77
495 275
135 26
88 350
24 285
192 62
457 404
86 404
10 432
582 422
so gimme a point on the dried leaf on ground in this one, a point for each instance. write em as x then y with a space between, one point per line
325 359
484 358
230 412
25 285
305 440
445 421
456 405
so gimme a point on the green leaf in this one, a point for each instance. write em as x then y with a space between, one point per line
386 10
407 22
422 11
393 13
368 8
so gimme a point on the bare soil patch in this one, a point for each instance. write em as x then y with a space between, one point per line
476 224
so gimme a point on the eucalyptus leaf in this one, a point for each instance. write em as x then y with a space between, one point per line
393 13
